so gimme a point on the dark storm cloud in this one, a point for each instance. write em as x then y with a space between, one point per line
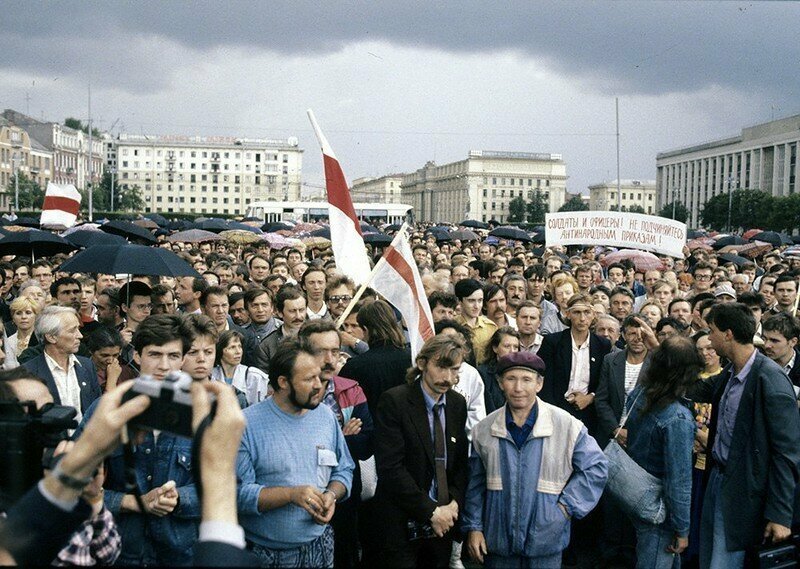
636 47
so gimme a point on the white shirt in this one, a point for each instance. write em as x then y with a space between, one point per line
534 347
470 385
631 376
315 315
66 382
579 376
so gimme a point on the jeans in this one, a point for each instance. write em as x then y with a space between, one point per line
714 553
651 547
318 553
522 562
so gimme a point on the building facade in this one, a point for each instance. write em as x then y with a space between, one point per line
603 196
71 163
762 157
386 189
19 153
482 186
207 175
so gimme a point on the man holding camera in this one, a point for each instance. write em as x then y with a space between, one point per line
293 465
165 531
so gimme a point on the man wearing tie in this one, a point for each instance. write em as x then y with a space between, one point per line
421 458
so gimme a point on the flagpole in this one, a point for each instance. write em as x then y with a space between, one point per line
364 286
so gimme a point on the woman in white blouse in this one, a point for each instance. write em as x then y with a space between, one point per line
251 384
24 310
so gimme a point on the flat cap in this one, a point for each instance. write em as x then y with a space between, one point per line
522 359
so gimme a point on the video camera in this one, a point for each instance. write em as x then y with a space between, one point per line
29 438
170 404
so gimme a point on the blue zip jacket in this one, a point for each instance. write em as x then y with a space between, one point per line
519 520
661 441
153 540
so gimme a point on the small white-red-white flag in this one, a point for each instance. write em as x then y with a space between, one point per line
346 239
397 279
61 205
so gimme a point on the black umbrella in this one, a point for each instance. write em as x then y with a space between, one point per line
695 233
276 226
34 243
129 259
377 238
321 232
732 258
509 232
538 237
474 223
84 238
393 227
252 219
773 238
244 227
26 222
158 218
180 225
128 231
463 235
439 233
795 239
367 228
215 225
728 240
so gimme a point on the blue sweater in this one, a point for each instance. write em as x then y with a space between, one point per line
279 449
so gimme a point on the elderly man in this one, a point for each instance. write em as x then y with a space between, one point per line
71 379
533 468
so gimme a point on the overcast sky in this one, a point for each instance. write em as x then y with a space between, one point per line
394 85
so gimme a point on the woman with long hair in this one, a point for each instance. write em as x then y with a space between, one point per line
250 383
504 341
661 431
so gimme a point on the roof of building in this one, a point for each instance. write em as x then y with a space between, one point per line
624 182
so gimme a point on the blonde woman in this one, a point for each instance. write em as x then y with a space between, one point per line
24 310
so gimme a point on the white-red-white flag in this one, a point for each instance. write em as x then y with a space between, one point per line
62 202
346 238
397 279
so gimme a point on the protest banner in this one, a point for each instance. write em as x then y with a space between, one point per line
616 229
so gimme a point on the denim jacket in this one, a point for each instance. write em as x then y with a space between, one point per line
661 441
152 540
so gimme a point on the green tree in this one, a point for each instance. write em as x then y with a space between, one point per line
130 199
681 212
748 208
31 194
516 210
78 125
785 214
536 208
575 203
101 195
636 209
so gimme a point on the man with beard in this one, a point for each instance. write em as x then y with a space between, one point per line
293 465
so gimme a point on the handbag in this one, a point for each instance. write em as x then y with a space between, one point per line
774 555
638 493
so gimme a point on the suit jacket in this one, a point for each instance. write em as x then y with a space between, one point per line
381 367
404 457
794 373
610 396
84 371
762 469
264 351
556 351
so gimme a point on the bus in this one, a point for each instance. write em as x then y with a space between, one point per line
374 213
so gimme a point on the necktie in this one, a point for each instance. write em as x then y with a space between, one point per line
442 492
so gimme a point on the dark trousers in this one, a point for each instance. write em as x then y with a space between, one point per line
345 534
422 553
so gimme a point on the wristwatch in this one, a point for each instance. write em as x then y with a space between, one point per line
70 481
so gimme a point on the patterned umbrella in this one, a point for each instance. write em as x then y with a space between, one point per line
642 260
277 241
699 243
750 233
240 237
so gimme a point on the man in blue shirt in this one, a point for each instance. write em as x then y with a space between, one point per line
293 465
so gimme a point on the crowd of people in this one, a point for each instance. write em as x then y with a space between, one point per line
330 447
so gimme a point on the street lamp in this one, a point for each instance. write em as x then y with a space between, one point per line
113 171
731 180
15 159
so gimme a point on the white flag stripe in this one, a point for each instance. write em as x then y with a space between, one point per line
348 246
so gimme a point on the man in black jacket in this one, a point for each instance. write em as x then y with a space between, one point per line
421 457
754 439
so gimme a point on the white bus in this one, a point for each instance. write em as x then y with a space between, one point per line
318 211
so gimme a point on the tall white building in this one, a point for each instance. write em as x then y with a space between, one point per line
207 175
603 196
385 189
762 157
482 186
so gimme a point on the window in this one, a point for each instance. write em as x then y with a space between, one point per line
484 192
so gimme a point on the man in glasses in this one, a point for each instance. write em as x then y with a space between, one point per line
338 295
702 278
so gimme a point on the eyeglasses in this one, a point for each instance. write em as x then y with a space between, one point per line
702 277
338 299
147 306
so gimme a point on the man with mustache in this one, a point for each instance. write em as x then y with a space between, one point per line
290 306
293 465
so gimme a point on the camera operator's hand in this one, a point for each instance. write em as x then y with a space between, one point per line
219 449
99 438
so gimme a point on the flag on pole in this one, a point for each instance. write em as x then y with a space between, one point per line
397 279
346 239
61 205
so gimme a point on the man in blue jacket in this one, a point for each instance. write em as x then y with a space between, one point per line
166 531
533 468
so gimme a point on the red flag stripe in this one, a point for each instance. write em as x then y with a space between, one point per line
68 205
338 194
396 260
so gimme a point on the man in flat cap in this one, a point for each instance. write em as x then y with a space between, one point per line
533 468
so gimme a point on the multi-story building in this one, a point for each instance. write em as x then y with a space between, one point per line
385 189
482 186
763 157
603 196
69 147
20 154
215 174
